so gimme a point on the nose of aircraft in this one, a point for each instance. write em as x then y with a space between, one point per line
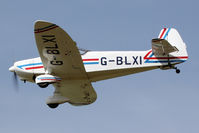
12 69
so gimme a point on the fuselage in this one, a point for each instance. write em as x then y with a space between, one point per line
101 65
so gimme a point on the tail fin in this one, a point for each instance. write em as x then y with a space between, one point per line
175 40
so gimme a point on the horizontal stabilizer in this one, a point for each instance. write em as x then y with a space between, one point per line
162 47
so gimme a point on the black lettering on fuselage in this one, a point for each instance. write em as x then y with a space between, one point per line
103 61
119 60
135 60
126 61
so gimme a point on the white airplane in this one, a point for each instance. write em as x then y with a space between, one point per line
71 72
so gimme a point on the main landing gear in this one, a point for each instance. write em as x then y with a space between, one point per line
54 105
43 85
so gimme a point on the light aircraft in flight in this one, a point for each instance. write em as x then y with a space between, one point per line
71 72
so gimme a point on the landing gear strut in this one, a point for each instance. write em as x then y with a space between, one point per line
173 67
177 70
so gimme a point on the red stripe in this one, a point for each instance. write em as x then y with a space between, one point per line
90 59
48 79
180 57
154 58
162 33
145 57
37 67
39 31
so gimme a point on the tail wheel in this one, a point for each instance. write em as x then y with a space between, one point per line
177 70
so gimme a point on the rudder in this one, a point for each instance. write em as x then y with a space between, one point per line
174 38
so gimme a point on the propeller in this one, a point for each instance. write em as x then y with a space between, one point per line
14 78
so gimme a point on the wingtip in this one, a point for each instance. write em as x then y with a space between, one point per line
41 26
42 22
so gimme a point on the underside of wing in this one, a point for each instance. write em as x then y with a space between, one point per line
162 47
75 92
59 53
61 58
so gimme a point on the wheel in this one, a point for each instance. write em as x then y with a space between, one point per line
54 105
177 70
43 85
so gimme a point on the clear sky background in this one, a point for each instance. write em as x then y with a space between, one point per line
151 102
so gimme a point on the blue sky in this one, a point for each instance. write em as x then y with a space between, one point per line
151 102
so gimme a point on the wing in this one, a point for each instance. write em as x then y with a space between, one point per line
76 92
162 47
61 58
58 51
